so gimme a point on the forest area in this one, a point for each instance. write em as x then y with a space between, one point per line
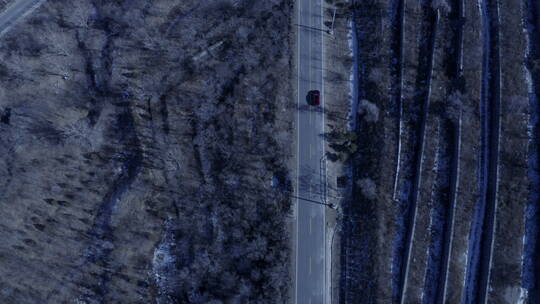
139 140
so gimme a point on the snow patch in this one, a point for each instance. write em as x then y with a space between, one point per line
164 264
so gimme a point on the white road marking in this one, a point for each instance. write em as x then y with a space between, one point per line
327 280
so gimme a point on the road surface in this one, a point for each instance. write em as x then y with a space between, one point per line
310 251
15 11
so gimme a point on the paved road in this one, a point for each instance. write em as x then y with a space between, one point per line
15 11
310 251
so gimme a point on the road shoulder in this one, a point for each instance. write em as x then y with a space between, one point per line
338 90
293 168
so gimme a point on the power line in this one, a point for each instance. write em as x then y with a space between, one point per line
312 201
313 28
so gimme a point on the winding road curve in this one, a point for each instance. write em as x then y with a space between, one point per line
15 12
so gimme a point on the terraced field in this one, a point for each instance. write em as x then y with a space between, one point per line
455 155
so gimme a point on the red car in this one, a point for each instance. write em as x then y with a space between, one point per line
314 97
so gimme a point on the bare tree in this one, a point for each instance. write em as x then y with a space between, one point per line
367 187
441 5
368 110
